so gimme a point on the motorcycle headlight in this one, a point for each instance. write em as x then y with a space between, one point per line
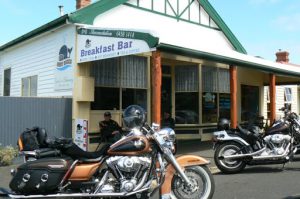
168 134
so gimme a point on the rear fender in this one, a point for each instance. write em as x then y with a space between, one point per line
223 136
183 161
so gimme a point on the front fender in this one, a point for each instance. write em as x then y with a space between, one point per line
183 161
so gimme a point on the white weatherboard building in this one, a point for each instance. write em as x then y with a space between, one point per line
162 55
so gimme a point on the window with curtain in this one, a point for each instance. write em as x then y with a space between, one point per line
186 95
216 94
120 82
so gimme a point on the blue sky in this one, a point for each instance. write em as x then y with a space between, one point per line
262 26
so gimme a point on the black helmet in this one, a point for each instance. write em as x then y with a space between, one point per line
223 124
134 116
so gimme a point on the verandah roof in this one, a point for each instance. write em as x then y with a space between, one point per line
236 59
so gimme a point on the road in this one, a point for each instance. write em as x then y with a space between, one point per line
256 182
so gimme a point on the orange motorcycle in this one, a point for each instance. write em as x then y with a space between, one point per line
136 166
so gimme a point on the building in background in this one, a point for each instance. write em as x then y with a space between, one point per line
286 95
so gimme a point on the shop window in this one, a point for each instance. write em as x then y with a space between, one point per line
186 95
216 94
29 86
250 102
288 98
106 99
120 82
187 108
134 96
7 80
224 105
209 107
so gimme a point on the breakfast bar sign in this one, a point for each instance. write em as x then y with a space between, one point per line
97 44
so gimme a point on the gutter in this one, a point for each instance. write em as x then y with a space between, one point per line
42 29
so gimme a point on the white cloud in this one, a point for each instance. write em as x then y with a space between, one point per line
289 23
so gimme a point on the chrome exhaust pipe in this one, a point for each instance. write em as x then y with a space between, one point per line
243 155
78 195
252 155
143 180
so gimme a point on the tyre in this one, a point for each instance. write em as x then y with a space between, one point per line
202 180
229 166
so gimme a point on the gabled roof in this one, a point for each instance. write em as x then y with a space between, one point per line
87 15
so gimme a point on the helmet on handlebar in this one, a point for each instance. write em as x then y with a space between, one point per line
223 124
134 116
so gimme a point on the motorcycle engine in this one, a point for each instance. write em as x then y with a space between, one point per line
129 170
277 143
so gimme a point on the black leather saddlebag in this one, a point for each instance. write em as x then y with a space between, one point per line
40 177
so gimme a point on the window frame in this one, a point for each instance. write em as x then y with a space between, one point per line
120 87
29 91
4 82
214 92
179 64
288 103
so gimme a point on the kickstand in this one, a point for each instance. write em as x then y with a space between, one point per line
283 165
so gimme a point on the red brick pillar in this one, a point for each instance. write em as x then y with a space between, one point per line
233 96
156 86
272 90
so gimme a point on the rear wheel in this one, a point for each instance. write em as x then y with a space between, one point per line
229 165
203 185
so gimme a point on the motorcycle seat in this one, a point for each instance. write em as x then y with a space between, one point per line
250 137
77 153
244 131
85 160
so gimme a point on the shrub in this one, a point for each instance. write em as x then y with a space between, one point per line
7 154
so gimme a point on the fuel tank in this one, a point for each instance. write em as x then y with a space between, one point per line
278 127
133 145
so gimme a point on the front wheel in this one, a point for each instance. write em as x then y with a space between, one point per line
229 166
203 185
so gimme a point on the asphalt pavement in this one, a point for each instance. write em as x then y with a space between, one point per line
255 182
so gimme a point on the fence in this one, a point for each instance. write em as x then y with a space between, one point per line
19 113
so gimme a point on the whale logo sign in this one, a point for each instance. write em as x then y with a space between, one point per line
64 60
88 43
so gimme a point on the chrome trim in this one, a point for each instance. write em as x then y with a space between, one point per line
143 180
244 155
101 183
223 136
265 157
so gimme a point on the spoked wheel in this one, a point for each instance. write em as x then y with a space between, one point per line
203 185
229 165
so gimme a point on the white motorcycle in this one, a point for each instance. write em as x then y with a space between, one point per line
236 148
